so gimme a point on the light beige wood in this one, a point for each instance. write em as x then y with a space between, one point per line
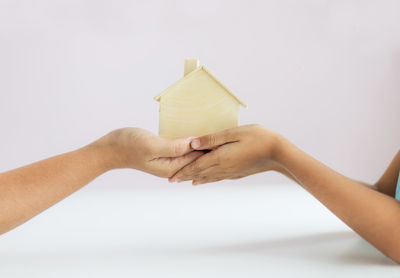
196 105
190 65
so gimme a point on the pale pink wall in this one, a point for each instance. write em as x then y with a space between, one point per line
324 73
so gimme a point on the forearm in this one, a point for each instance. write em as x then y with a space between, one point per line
282 170
27 191
387 183
373 215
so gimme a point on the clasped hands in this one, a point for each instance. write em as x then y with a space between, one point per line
229 154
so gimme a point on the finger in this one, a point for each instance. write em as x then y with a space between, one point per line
196 167
184 175
174 147
179 162
168 166
211 141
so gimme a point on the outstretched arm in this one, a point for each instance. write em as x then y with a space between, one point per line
27 191
373 214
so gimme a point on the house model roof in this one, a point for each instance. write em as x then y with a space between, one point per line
191 74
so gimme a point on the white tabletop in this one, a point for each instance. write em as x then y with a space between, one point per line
218 230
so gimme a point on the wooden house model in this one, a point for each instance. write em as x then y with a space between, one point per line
196 105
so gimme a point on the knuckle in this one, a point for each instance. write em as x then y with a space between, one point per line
212 140
195 167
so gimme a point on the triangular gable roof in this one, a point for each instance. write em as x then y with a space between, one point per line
202 68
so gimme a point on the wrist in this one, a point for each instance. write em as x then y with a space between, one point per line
281 150
287 155
102 155
278 147
269 150
279 156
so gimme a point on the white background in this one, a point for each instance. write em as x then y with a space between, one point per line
326 74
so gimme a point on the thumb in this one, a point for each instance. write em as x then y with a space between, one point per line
211 141
175 147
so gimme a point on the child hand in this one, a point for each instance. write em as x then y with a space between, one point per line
235 153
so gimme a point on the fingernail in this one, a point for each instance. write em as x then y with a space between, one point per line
178 180
195 183
190 139
195 143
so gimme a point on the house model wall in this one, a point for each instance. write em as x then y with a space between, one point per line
196 105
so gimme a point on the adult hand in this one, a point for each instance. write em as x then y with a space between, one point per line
142 150
235 153
28 190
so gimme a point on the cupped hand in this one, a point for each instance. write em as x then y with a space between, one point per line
235 153
142 150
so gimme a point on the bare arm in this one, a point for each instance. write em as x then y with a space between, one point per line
31 189
387 183
27 191
373 215
246 150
